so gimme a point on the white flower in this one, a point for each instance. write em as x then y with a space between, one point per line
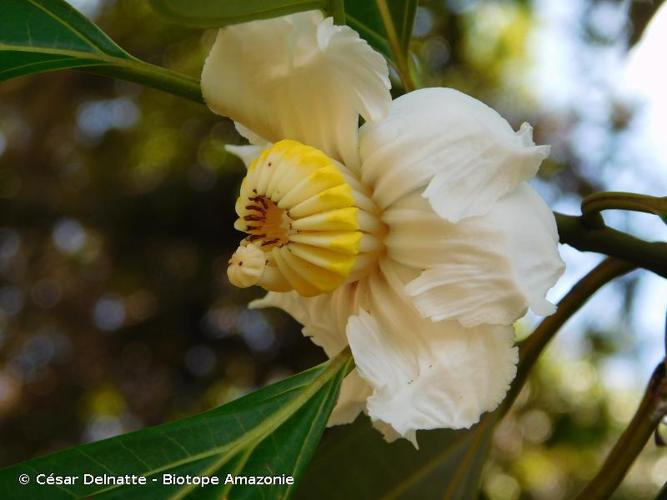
414 239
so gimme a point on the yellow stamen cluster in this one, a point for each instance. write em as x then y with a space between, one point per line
307 219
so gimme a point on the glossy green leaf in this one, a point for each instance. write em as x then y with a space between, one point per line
365 16
448 464
48 35
207 14
273 431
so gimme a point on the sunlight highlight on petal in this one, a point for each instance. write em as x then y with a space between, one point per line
297 77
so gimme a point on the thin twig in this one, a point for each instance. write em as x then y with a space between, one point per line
531 348
401 62
651 411
649 255
597 202
337 11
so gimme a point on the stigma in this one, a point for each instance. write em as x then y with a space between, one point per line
310 225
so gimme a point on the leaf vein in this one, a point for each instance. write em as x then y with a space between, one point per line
75 31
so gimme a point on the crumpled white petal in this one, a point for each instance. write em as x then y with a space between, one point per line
252 137
485 269
354 392
426 375
461 151
390 435
530 243
297 77
323 317
423 374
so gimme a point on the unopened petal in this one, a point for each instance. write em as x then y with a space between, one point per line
246 266
297 77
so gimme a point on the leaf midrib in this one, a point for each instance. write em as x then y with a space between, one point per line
90 42
405 483
264 428
75 54
303 443
90 59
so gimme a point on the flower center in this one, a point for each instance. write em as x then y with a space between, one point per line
266 223
310 225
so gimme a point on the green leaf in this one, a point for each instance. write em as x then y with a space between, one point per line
385 24
48 35
365 16
389 34
355 462
207 14
273 431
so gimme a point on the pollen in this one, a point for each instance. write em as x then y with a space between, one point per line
304 225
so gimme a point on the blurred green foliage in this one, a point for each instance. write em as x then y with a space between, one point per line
116 213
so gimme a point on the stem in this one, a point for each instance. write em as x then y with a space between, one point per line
652 409
577 233
154 76
597 202
401 62
337 11
531 348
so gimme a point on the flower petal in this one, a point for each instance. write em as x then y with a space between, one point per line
461 151
323 317
354 392
252 137
530 243
297 77
390 435
485 269
427 375
247 154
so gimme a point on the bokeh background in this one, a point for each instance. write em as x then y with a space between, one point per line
116 212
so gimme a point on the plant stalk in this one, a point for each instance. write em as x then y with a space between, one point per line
337 11
598 202
531 348
575 232
651 411
402 66
152 76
